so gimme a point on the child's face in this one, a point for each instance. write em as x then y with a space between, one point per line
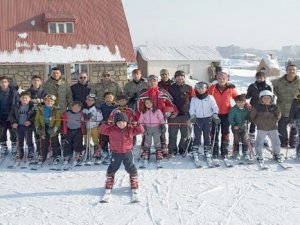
240 104
25 99
201 90
222 81
76 108
49 102
36 82
148 104
109 98
90 101
260 79
266 100
4 83
122 102
121 124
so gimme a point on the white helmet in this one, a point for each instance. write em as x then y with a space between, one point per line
265 93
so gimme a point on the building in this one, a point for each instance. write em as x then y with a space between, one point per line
269 65
77 36
194 60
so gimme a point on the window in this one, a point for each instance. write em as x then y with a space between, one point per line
76 69
60 28
184 67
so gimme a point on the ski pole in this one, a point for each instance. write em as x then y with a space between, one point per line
214 139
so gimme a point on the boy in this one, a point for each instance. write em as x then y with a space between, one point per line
47 123
22 119
265 116
9 97
72 132
121 149
237 117
92 118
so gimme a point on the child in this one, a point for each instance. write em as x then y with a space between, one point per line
93 118
9 97
106 108
265 116
121 149
294 118
152 120
123 107
72 126
47 124
22 119
203 106
237 117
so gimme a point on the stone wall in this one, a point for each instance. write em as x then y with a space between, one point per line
22 74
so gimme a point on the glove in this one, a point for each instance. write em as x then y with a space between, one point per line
162 128
193 119
52 131
216 119
87 116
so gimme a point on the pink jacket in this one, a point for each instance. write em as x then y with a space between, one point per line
152 119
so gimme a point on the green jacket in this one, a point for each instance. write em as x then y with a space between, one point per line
238 117
100 88
62 92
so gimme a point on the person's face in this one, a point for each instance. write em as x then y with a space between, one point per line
152 83
260 79
122 102
25 99
266 100
240 104
164 77
90 101
4 83
201 90
82 78
222 81
106 77
148 104
56 74
179 79
137 75
49 102
76 108
109 98
36 82
121 124
291 72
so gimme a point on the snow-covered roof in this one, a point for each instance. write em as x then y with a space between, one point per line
270 61
179 53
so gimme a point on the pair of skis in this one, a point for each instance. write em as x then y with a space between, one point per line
108 193
145 163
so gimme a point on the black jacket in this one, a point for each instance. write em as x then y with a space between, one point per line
80 91
253 91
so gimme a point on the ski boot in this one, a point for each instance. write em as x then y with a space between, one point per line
97 155
56 161
245 156
235 154
277 157
259 158
3 150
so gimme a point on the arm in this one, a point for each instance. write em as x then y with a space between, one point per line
105 129
138 130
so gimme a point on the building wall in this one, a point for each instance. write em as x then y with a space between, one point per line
142 65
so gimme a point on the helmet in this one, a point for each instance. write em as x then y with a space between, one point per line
265 93
201 85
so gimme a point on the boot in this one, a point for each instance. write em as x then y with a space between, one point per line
145 153
224 150
109 183
235 152
14 149
134 181
159 155
277 157
20 154
259 158
245 153
195 152
298 153
3 149
207 153
97 152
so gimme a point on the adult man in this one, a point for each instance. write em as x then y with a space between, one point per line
165 81
286 88
162 100
60 89
182 94
105 85
133 88
81 89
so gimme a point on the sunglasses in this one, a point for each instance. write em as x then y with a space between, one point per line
82 77
200 86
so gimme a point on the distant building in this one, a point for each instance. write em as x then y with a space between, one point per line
194 60
228 51
269 65
77 36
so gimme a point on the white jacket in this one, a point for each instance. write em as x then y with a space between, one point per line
95 119
202 108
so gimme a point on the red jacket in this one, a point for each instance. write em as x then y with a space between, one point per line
131 115
223 98
161 99
121 139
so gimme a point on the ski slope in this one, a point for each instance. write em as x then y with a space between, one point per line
178 194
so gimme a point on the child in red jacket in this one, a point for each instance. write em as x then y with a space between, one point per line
121 147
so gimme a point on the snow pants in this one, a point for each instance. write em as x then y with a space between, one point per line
117 159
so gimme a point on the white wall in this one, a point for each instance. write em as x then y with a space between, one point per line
198 69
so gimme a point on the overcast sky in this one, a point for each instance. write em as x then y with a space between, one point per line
262 24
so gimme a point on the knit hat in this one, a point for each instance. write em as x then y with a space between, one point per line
179 73
163 71
222 75
120 117
152 77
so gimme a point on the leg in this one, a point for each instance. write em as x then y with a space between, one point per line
157 144
173 131
185 132
282 130
112 169
275 141
55 145
225 135
259 142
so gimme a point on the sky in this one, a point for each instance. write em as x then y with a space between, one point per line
261 24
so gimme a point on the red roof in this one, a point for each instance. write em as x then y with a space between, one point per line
97 22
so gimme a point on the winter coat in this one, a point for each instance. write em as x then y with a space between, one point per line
294 115
62 92
55 120
165 85
254 90
152 119
127 111
15 115
202 108
106 109
265 117
65 121
238 117
224 97
133 89
100 88
13 100
122 138
182 95
161 99
38 94
93 115
285 92
80 91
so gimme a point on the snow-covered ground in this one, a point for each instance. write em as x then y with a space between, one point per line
177 194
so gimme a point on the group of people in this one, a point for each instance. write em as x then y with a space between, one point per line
103 111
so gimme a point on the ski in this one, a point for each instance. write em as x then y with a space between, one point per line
210 163
36 166
262 165
67 165
2 160
24 165
106 197
14 165
88 163
283 165
77 163
197 163
227 163
143 164
159 164
216 162
134 196
98 161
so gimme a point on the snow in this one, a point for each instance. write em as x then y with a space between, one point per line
23 35
271 62
58 54
178 194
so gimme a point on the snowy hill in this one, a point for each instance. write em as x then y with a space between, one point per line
178 194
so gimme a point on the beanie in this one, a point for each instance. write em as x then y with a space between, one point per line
179 73
222 75
120 117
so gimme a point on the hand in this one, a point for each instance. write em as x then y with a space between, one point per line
173 115
163 128
27 123
216 119
134 123
193 119
15 125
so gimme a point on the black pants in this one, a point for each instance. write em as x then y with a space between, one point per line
117 159
47 144
240 135
224 135
104 140
25 133
73 142
202 125
5 125
283 133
